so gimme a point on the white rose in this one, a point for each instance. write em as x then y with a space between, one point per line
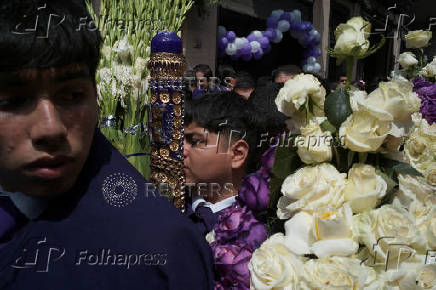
420 146
314 145
430 224
395 97
362 132
429 70
274 266
298 91
354 33
364 188
334 273
325 233
417 38
410 276
387 232
413 188
430 174
407 59
310 188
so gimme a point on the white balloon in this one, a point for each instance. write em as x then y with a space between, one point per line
222 32
305 68
257 33
239 42
255 46
309 68
279 36
277 13
297 15
245 39
311 60
231 49
283 25
316 67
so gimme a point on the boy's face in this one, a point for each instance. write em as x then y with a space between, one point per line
207 159
47 121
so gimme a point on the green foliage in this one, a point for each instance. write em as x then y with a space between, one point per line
337 107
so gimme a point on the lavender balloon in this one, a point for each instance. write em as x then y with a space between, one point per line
285 16
247 57
264 41
272 22
251 37
223 43
283 25
270 34
231 36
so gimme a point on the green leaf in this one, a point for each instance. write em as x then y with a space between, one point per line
350 158
399 167
327 126
275 187
337 107
286 161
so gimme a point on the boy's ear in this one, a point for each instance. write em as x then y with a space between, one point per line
239 151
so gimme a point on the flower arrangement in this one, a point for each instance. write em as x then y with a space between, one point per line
127 28
352 201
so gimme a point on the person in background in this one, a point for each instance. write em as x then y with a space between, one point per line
205 83
244 84
74 213
285 72
227 76
342 82
263 81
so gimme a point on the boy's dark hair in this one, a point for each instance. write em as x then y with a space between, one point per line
263 81
244 80
263 101
224 112
289 69
71 36
226 71
204 68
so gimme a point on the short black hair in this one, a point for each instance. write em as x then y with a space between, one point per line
224 112
263 101
244 80
205 69
263 81
226 71
70 38
289 69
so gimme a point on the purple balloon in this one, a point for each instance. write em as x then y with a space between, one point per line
270 34
234 57
308 40
246 49
267 49
285 16
223 42
258 54
231 36
307 26
247 57
251 37
264 41
272 22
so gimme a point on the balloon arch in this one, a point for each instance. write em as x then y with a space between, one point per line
258 43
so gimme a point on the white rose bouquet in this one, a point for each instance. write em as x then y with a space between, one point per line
353 197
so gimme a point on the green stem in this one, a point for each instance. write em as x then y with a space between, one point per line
338 158
362 157
350 66
307 113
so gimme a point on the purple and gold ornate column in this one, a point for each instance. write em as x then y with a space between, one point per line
167 65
